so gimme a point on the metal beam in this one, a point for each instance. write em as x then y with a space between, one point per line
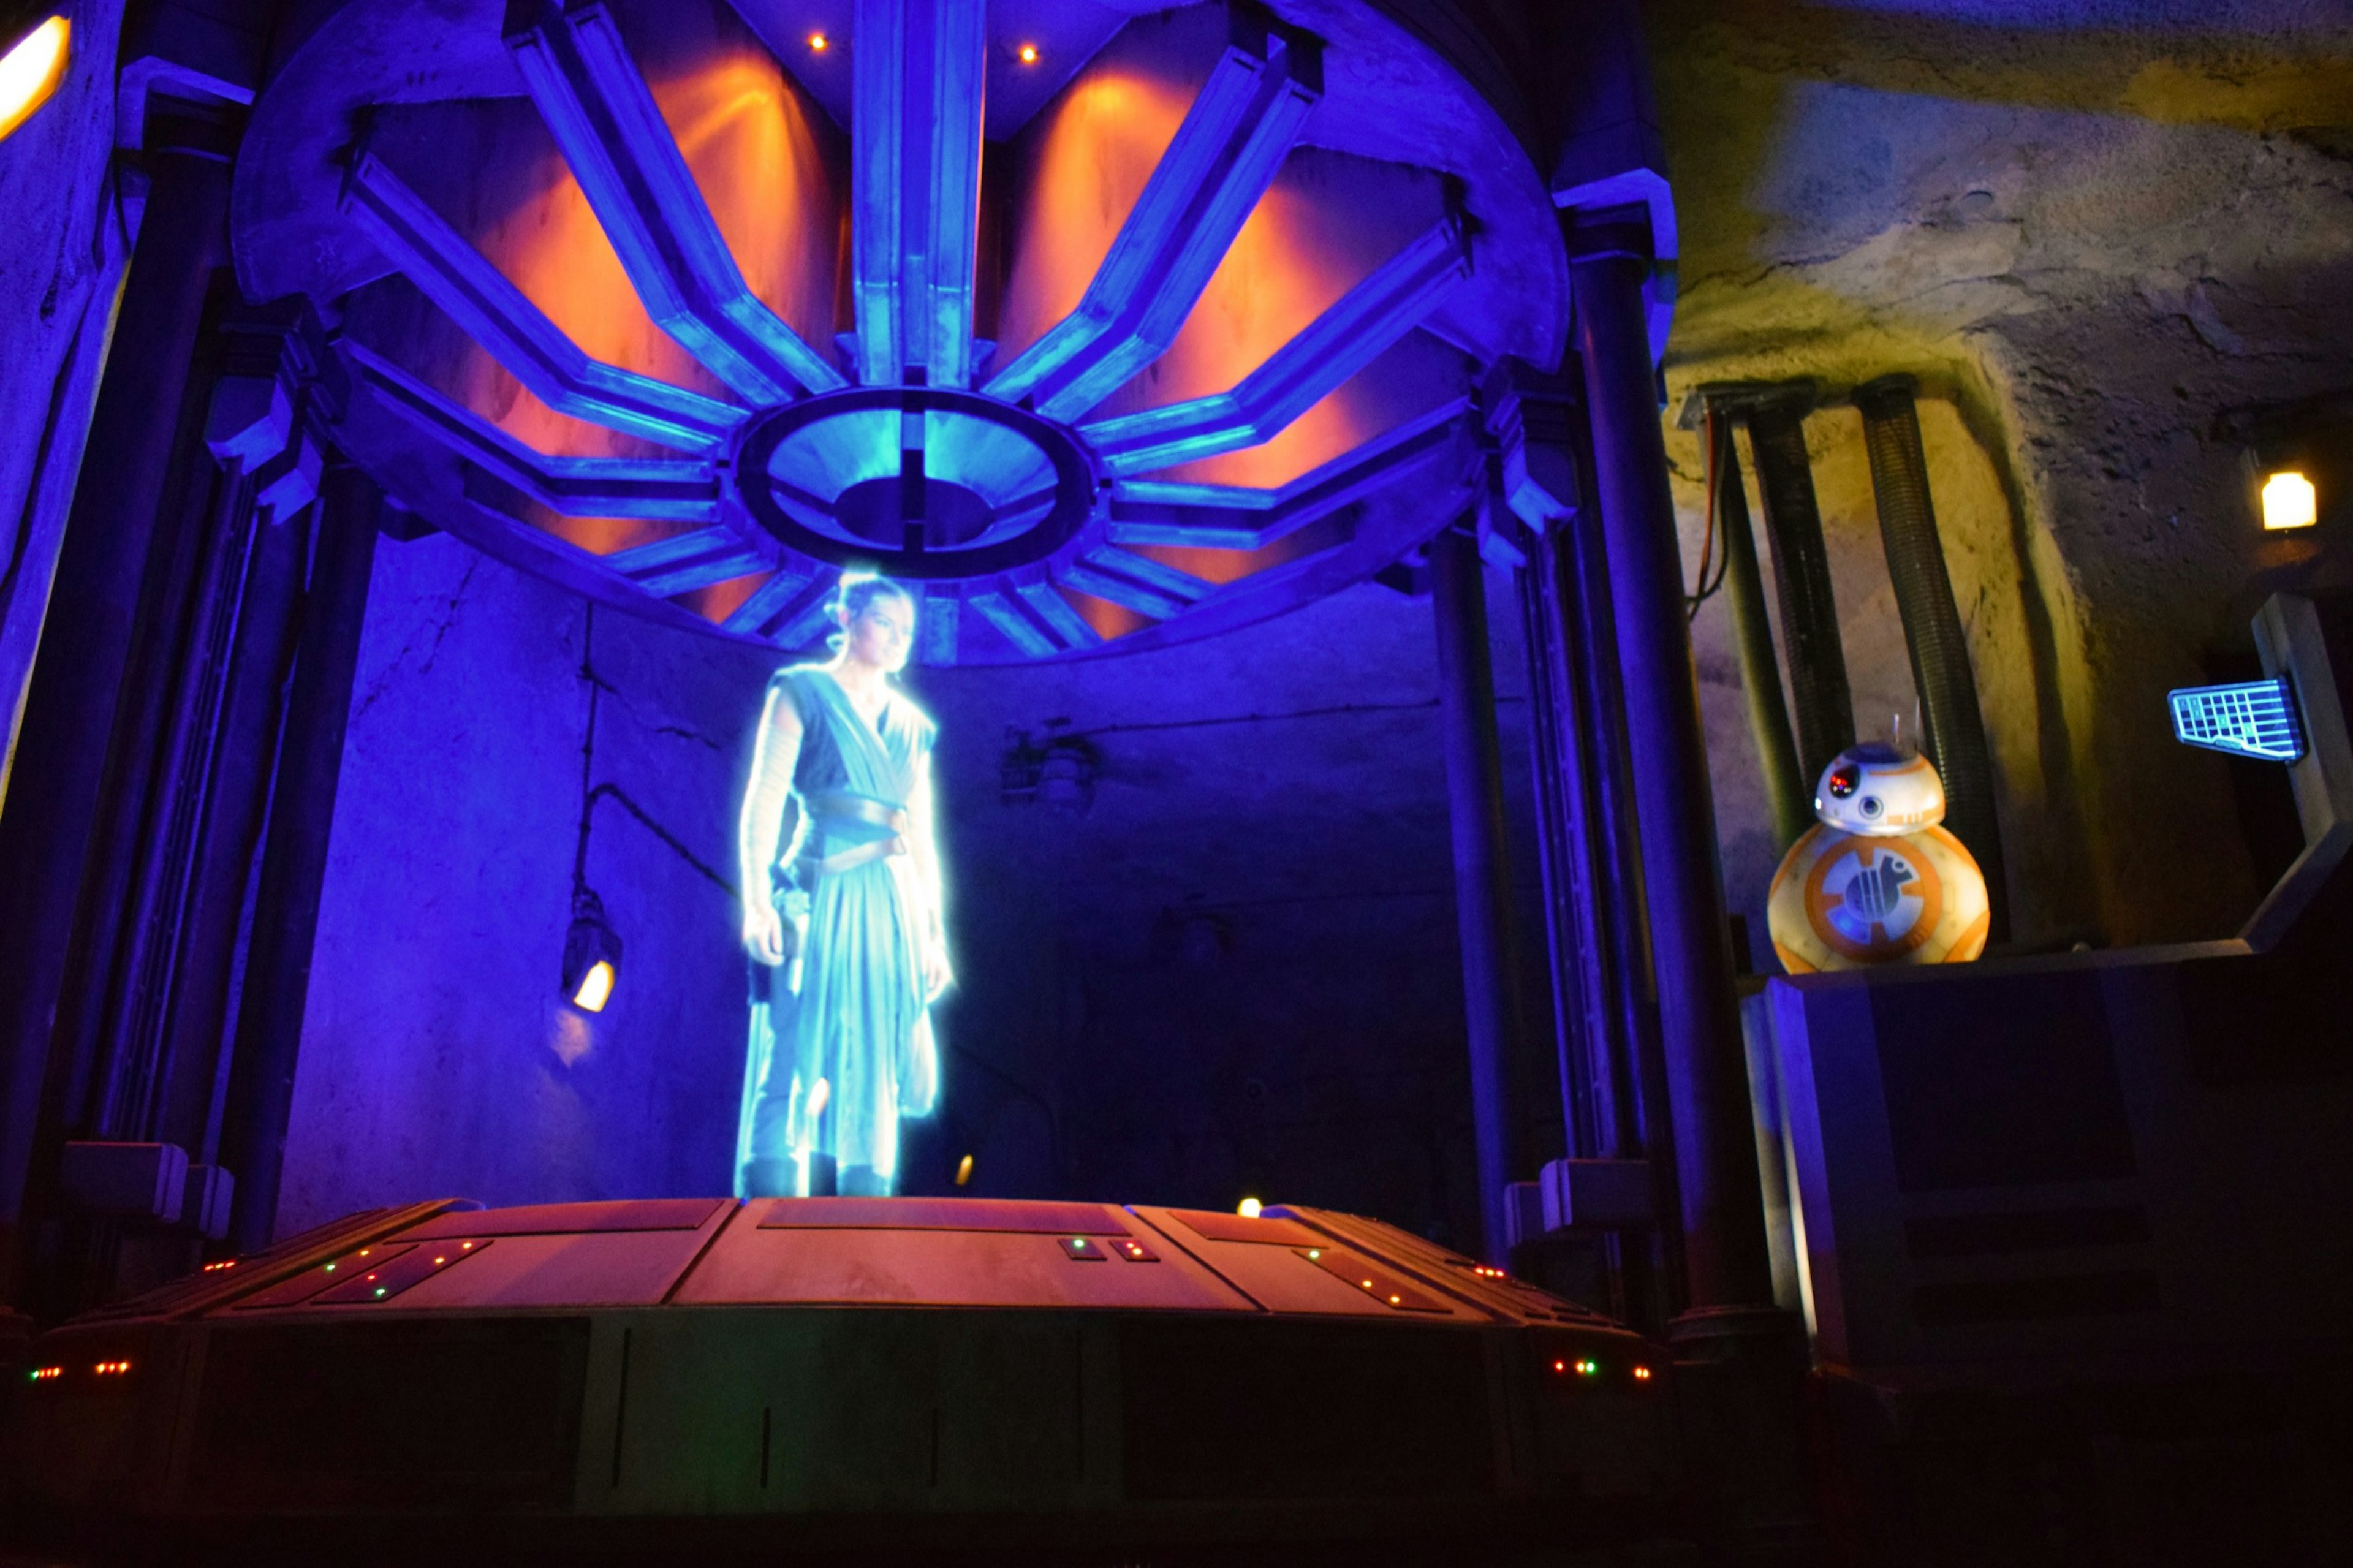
516 332
999 611
1225 154
1235 517
779 602
1341 341
679 490
611 132
915 140
1059 616
688 561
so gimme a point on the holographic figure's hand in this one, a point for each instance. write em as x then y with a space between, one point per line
763 933
937 975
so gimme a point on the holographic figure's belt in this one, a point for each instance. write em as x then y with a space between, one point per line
879 827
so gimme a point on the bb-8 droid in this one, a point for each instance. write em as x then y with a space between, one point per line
1876 880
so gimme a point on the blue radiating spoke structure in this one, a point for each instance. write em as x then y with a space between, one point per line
1018 516
671 490
1341 341
604 118
1224 156
915 154
516 332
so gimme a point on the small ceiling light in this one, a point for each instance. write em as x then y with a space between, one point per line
1029 53
30 71
1248 1209
2289 501
592 954
819 43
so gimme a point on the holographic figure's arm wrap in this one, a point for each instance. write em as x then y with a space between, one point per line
931 920
761 827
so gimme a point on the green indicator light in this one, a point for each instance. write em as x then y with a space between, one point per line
379 1289
330 1268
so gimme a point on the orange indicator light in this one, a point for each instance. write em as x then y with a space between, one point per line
439 1261
1029 53
1395 1301
465 1247
216 1267
819 43
47 1373
1641 1375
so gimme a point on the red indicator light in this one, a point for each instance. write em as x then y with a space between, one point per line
47 1373
216 1267
1560 1366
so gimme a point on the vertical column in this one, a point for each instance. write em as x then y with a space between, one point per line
1787 791
59 778
1724 1255
294 857
1953 728
1801 576
1483 881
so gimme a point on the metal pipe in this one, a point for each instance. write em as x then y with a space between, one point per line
1725 1257
1483 876
1953 729
1788 792
77 688
1801 578
277 988
1557 741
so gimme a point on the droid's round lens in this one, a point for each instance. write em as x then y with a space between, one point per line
1871 806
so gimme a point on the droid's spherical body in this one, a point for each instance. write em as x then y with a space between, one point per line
1876 881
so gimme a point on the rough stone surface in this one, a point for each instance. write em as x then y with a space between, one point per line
2088 229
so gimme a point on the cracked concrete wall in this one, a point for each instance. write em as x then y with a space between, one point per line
2089 229
437 1056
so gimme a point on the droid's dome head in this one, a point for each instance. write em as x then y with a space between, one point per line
1880 791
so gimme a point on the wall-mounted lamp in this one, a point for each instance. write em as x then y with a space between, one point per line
1029 53
2289 502
819 43
33 64
592 954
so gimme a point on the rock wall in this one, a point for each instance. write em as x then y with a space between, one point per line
2089 230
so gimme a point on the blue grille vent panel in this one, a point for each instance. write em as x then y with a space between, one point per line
2252 719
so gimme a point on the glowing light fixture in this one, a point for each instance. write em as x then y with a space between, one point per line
1641 1375
2289 502
30 71
819 43
592 954
1029 53
2250 719
1248 1209
964 1171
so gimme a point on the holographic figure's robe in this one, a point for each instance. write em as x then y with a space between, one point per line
841 1044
